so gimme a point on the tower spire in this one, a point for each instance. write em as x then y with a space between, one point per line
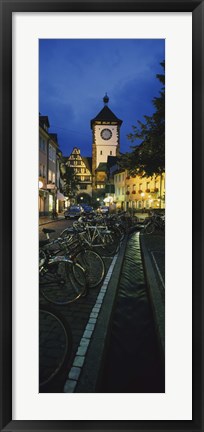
106 99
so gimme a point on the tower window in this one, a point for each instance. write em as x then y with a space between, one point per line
101 152
111 153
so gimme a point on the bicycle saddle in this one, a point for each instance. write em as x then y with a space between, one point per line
47 231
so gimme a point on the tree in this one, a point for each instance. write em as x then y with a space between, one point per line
69 181
148 156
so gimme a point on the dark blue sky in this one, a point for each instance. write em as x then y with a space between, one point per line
75 74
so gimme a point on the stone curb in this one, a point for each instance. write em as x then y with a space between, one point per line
158 305
94 358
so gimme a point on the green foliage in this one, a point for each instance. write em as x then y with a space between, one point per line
69 181
148 156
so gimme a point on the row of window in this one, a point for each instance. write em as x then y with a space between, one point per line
74 156
87 178
51 152
120 191
80 170
111 153
119 178
142 186
142 204
123 190
76 162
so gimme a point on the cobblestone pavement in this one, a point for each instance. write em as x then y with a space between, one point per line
76 314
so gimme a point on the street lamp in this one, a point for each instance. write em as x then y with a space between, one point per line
40 184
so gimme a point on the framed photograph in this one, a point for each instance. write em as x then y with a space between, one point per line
61 62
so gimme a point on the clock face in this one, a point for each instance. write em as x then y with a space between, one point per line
106 134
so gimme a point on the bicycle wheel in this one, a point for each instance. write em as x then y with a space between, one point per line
55 344
94 266
150 228
117 230
121 229
60 286
111 245
67 233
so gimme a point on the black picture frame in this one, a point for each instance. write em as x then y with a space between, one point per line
7 8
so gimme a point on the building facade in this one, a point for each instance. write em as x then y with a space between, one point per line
49 176
83 175
139 193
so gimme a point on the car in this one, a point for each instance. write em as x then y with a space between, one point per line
73 212
103 209
88 209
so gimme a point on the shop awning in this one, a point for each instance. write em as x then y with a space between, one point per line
60 196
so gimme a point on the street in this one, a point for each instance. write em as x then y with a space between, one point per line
57 225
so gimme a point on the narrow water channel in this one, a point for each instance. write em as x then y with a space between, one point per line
132 362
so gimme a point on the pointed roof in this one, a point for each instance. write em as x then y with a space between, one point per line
106 115
44 120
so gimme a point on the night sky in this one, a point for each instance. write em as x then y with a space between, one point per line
75 74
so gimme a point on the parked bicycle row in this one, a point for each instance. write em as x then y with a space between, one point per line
69 267
153 223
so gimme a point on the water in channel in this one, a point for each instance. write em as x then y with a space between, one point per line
132 363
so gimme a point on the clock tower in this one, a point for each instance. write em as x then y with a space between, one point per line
106 142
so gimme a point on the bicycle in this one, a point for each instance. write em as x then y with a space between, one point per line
98 236
89 259
154 223
61 279
55 345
